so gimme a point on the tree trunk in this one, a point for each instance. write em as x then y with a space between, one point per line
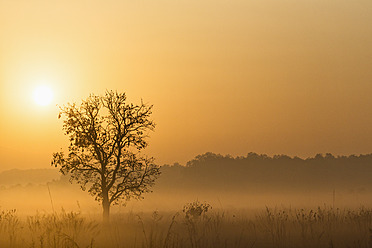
106 207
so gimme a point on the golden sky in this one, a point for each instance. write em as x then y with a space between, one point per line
277 77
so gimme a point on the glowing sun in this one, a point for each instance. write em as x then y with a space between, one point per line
43 95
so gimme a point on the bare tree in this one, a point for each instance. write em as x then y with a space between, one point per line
106 135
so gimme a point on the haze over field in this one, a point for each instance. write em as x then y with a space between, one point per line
231 77
188 123
249 182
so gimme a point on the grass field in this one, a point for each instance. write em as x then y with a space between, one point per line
270 227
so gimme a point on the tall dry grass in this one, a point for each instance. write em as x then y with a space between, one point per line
272 227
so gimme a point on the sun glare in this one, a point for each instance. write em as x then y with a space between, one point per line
43 95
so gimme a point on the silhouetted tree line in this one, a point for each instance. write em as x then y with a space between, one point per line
255 173
260 172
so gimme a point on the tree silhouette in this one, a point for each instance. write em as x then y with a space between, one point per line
106 135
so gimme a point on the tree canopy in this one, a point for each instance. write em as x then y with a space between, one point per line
106 137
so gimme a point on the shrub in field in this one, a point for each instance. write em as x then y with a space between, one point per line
195 209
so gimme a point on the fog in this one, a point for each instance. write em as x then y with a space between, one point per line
248 182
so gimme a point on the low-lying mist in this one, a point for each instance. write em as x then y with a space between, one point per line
212 201
250 182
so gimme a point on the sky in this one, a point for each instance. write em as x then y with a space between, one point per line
276 77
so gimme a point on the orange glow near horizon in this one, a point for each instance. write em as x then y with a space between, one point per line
228 77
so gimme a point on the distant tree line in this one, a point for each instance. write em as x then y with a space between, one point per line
260 172
255 173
